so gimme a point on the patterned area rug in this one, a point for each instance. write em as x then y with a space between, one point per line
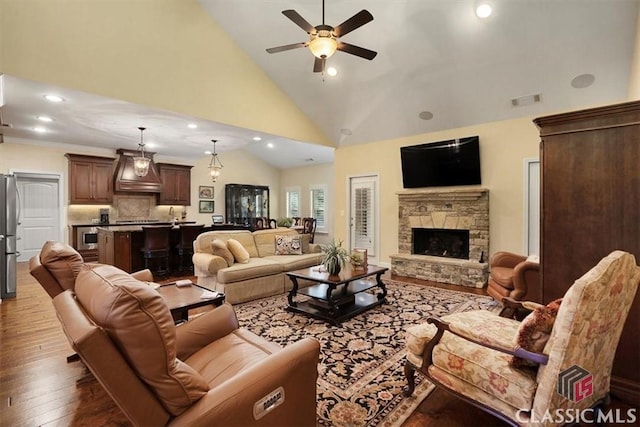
361 373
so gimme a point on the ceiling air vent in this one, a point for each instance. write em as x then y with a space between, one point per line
525 100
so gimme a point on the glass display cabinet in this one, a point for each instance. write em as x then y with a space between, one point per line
245 202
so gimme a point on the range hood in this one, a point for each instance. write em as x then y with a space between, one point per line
125 178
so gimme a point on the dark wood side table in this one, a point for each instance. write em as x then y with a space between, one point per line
184 298
337 298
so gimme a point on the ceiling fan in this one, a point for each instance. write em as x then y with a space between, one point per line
324 39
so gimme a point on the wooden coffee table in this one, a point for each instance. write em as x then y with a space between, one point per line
337 298
182 299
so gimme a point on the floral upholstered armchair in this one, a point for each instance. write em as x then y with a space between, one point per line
526 373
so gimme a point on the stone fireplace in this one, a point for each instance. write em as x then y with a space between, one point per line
443 236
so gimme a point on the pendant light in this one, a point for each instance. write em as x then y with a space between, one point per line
215 165
141 163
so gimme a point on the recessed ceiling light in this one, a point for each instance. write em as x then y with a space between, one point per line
583 80
426 115
270 145
257 138
332 71
483 10
39 129
345 131
44 119
192 126
53 98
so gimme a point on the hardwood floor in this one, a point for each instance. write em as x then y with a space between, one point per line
39 388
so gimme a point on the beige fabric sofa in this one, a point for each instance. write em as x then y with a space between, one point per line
264 274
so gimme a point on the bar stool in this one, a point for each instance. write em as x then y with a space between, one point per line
156 249
184 248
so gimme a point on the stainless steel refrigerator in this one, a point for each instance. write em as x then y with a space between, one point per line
9 217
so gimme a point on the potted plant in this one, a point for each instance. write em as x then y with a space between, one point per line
335 257
284 222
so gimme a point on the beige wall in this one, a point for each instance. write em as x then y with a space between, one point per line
634 82
304 177
240 167
166 54
503 147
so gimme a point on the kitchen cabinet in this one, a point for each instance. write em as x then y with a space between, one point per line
245 202
590 200
176 184
115 248
90 179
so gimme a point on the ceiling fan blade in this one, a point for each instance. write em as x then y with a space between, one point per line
299 20
286 47
318 65
357 50
356 21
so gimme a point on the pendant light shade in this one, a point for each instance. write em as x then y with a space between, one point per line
141 163
215 165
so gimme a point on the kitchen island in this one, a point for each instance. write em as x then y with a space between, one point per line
120 246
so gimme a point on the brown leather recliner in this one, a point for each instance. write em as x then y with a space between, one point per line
514 276
58 265
205 372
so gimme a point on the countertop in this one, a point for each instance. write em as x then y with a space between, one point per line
131 227
120 224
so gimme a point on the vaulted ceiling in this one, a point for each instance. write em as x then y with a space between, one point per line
438 57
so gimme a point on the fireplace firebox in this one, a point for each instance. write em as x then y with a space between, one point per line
441 242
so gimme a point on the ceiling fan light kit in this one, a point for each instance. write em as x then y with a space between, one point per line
323 39
323 46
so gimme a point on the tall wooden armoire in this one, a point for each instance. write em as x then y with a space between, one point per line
590 202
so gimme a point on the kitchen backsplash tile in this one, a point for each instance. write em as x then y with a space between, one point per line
133 207
125 207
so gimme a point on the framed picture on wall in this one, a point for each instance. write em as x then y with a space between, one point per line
205 192
206 206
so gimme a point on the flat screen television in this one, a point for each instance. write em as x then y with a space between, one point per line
442 163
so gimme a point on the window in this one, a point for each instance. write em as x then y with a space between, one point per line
319 206
293 202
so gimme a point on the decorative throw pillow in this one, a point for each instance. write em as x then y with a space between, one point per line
219 247
288 245
534 331
239 252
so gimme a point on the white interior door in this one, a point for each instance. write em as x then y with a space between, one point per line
40 212
532 207
363 228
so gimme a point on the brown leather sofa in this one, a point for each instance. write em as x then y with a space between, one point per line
514 276
205 372
58 264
